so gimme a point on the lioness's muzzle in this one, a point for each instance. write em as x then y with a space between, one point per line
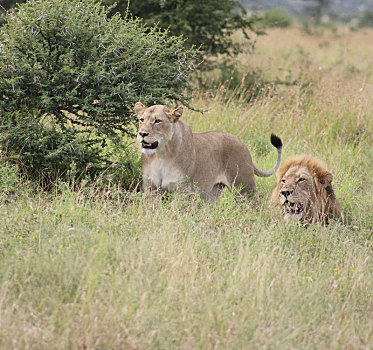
146 145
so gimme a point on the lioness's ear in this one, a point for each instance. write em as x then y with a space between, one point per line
139 108
176 113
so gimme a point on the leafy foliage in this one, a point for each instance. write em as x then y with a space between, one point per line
7 5
366 19
276 17
205 24
71 76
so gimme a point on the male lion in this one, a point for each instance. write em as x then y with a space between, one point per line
172 156
304 191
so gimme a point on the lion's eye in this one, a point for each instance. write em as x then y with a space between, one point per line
283 181
157 121
141 120
300 179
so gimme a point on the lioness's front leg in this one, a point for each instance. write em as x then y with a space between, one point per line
183 186
149 189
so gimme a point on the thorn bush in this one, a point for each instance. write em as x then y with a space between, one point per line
70 77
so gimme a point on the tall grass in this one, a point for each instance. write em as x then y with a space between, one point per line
93 269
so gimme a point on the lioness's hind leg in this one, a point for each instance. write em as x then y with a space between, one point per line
248 190
214 193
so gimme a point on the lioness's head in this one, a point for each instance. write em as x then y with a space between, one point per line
304 191
156 126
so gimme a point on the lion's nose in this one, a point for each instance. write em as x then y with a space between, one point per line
143 134
286 193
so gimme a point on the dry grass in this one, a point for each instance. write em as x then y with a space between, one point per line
83 272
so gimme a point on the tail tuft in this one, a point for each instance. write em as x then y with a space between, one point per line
276 141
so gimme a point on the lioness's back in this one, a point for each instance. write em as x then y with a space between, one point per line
217 149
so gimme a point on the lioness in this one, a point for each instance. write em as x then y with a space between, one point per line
304 191
173 156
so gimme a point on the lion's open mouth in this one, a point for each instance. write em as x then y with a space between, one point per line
146 145
293 208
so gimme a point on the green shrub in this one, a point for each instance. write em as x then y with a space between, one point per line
366 19
8 4
70 77
277 17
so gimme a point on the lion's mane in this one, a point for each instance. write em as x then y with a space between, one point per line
321 201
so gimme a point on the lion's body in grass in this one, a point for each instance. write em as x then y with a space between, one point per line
173 156
304 191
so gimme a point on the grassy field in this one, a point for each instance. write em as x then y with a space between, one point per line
84 269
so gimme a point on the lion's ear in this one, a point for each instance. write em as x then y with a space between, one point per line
139 108
176 113
326 178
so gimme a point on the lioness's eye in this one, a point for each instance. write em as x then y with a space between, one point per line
283 181
141 120
157 121
300 179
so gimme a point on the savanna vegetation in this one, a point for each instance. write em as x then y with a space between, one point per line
207 25
71 75
89 264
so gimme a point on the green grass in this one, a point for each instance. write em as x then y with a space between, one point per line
141 273
88 267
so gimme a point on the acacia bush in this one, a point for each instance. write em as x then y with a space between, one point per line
70 77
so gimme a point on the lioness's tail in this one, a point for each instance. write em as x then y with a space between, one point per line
276 141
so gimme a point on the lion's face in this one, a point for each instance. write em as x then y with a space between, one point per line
304 191
156 125
296 192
